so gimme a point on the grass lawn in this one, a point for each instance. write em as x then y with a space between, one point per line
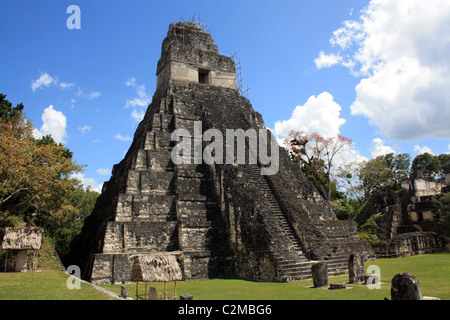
44 285
433 272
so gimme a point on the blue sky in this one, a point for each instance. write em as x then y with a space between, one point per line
374 71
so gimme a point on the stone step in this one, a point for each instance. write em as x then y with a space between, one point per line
342 259
296 278
282 261
286 260
335 262
297 272
292 261
298 267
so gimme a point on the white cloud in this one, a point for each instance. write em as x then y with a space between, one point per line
103 172
379 148
140 103
420 150
131 82
91 95
65 85
401 49
347 35
142 99
326 60
137 115
85 129
122 138
45 80
91 182
319 114
54 124
347 155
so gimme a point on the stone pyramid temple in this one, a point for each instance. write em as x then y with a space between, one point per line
219 218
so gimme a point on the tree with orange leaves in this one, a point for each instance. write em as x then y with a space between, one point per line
33 176
316 155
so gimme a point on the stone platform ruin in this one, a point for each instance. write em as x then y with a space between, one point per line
219 220
406 220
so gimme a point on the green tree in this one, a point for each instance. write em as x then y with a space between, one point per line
399 166
7 112
384 173
430 165
48 141
444 159
442 215
348 176
64 224
34 177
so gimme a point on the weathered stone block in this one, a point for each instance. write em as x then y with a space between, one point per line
111 268
405 286
133 182
153 207
320 274
102 269
141 160
149 143
195 239
355 267
160 159
150 236
337 286
124 292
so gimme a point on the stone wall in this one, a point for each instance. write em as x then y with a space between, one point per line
405 224
187 50
412 243
423 187
184 72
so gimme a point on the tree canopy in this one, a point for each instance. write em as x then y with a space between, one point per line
316 155
430 165
8 113
36 180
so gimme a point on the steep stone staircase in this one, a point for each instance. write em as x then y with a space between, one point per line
291 261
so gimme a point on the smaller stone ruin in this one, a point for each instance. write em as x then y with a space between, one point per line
406 220
19 241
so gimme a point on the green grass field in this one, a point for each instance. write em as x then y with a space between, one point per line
44 285
433 272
